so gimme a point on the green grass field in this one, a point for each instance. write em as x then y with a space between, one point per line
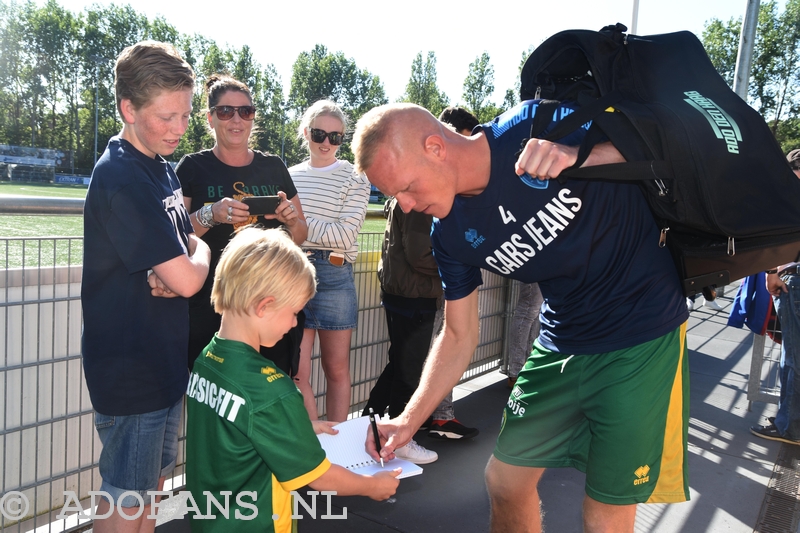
374 224
43 189
41 240
41 225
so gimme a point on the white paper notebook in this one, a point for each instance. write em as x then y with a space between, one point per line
347 449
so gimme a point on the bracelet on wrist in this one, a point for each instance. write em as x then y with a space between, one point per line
205 216
198 215
772 271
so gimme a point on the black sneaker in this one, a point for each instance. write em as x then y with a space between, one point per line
427 424
771 432
451 429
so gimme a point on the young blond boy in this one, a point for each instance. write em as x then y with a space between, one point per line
248 431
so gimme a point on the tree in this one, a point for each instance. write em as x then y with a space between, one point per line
721 41
478 88
421 88
55 47
511 97
14 70
161 30
319 74
272 129
775 77
55 65
247 70
510 100
772 88
107 31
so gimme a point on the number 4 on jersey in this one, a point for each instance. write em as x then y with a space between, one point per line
506 215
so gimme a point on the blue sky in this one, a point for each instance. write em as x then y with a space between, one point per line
385 39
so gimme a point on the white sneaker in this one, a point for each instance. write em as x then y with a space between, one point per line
712 305
416 454
690 304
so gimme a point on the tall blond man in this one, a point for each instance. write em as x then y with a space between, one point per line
605 389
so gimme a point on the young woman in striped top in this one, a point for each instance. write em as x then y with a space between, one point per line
334 201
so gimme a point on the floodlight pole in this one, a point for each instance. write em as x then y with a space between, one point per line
97 60
635 17
747 39
283 135
96 99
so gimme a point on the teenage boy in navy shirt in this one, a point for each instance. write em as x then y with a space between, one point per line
141 263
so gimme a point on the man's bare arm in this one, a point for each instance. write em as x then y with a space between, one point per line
448 359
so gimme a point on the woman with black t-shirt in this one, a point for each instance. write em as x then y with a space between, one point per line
214 182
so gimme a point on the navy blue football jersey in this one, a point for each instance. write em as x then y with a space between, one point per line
591 245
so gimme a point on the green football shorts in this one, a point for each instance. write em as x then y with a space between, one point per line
621 417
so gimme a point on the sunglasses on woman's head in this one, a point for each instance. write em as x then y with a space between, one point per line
318 136
225 112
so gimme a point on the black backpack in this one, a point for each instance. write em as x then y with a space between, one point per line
721 190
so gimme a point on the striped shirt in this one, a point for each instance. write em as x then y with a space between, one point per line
334 201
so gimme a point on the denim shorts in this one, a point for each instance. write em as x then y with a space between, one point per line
335 306
137 451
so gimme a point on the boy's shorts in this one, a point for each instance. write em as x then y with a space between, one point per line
137 451
621 417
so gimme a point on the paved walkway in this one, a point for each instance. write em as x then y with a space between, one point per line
729 468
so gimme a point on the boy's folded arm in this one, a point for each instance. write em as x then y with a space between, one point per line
346 483
184 275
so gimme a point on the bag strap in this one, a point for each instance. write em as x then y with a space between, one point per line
591 108
628 171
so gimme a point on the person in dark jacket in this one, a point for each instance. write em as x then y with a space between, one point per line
410 287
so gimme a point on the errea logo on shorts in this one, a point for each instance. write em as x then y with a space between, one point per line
641 475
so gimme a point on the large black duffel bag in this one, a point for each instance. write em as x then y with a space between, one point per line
715 178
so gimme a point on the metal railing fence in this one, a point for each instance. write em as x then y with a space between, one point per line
764 384
48 445
47 440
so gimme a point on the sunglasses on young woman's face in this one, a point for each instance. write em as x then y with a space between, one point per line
318 136
225 112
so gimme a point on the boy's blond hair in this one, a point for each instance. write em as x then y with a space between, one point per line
147 68
258 263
